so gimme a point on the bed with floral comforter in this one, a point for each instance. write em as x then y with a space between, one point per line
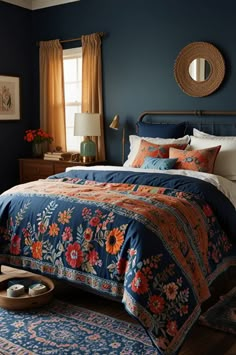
153 241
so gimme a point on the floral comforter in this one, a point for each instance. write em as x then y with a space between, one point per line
152 243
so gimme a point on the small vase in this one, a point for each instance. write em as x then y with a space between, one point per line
37 150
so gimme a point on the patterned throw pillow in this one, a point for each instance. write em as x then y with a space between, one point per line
226 159
199 160
136 140
147 149
158 163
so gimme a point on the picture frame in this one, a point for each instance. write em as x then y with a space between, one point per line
9 98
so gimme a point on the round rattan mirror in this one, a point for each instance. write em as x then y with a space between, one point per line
215 66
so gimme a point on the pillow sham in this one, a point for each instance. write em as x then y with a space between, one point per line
225 164
161 130
148 149
135 140
158 163
198 160
201 134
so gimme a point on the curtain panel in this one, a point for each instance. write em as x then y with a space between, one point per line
92 96
52 100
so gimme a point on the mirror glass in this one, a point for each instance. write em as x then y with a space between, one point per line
199 69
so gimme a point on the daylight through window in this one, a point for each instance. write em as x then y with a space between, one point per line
72 60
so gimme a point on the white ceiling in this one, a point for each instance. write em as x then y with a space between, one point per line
38 4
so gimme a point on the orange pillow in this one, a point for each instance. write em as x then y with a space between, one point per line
199 160
147 149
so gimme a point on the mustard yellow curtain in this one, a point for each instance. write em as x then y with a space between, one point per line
52 101
92 98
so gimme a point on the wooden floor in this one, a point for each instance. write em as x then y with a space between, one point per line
200 341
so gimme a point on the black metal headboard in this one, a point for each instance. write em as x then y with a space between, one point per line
222 123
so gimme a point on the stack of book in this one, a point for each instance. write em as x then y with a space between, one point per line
57 156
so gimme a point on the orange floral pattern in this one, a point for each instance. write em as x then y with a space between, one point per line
198 160
147 149
37 250
113 237
114 241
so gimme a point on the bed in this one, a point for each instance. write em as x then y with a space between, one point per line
153 234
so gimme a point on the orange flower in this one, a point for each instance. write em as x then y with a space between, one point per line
171 290
64 217
53 230
139 283
172 327
37 250
94 221
93 257
37 136
156 304
88 234
74 255
114 241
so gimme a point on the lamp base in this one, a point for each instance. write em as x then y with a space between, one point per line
87 150
87 159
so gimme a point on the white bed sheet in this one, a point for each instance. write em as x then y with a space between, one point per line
227 187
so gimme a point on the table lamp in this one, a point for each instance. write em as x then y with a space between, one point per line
87 125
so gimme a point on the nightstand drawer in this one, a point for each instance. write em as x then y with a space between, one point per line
34 169
60 167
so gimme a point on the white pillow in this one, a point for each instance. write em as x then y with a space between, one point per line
225 164
135 142
201 134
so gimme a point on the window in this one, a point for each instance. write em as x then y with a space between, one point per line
72 62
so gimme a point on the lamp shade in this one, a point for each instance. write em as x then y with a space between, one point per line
115 124
87 124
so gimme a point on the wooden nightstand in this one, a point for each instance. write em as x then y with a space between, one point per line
34 169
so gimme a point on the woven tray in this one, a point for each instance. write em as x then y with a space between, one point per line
25 301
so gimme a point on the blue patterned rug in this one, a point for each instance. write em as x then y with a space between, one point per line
62 328
222 316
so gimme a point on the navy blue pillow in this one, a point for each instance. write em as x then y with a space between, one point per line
161 130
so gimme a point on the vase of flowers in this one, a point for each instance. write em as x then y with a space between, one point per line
39 139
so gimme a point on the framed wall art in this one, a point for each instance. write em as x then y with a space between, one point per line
9 98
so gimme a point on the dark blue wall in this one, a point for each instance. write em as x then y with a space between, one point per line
15 60
143 40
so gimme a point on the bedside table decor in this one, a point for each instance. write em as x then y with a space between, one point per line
15 290
37 150
39 139
37 289
57 156
28 292
87 125
34 169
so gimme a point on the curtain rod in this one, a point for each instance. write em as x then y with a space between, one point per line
101 34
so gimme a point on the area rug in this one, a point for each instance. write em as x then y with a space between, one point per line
222 316
61 328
